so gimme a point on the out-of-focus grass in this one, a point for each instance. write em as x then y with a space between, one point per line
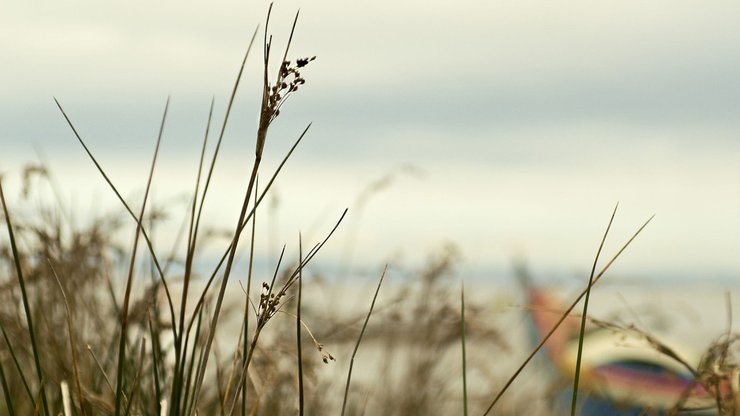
78 309
93 319
75 298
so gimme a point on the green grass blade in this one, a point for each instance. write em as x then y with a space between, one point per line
216 151
249 217
359 340
17 364
193 234
180 348
192 364
39 402
562 318
108 383
72 347
6 391
130 212
582 331
227 274
26 303
131 267
245 346
263 319
157 362
137 379
299 346
266 113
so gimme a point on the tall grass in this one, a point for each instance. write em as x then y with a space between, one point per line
26 303
582 330
126 352
563 316
140 363
359 340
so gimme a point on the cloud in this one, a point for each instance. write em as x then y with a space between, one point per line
531 117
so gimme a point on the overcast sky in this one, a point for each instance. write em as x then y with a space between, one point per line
523 122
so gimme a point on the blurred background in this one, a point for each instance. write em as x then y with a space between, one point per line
509 129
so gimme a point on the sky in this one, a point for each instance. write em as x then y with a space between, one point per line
508 128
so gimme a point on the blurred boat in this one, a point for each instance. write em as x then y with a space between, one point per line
622 372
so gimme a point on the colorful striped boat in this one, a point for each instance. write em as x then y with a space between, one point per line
622 372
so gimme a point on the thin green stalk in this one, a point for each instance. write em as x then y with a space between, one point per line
263 318
261 322
73 348
6 390
182 352
158 367
359 340
130 212
16 363
582 332
234 365
562 318
38 402
181 349
464 358
26 304
53 185
225 280
102 370
131 267
192 362
267 115
249 217
298 329
245 340
157 364
137 378
309 257
112 293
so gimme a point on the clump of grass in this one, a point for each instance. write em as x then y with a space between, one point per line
26 303
140 352
132 375
409 357
719 373
716 375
